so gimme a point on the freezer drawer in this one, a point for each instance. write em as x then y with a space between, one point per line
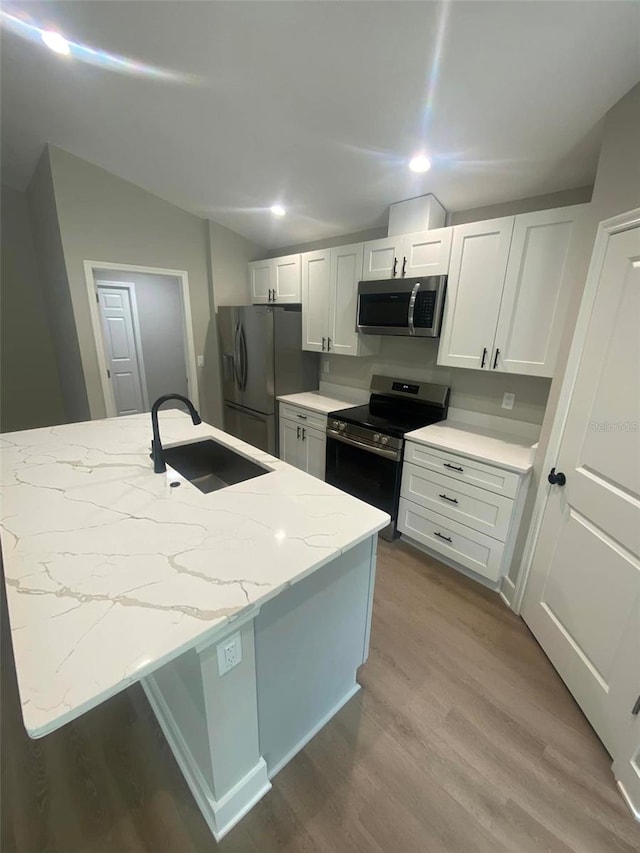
255 428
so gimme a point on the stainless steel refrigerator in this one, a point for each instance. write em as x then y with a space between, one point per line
262 358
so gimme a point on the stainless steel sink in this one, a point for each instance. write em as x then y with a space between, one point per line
211 466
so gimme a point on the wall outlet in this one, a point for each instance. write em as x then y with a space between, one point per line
200 361
229 653
508 400
326 366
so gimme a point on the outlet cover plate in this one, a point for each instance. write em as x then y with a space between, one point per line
508 400
229 653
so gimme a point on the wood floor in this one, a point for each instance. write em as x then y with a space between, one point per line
462 740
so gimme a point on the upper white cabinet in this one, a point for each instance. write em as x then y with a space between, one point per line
507 290
536 289
276 280
425 253
329 300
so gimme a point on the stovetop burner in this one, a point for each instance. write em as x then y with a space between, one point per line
397 407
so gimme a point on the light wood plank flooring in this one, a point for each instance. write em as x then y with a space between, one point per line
463 740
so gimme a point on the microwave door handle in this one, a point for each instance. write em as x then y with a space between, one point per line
412 305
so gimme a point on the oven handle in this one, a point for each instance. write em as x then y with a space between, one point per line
412 305
386 452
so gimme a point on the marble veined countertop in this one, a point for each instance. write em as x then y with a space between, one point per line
319 402
110 572
507 450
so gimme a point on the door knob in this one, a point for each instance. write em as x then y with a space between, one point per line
558 479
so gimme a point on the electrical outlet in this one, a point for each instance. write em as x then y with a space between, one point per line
326 366
508 400
200 361
229 653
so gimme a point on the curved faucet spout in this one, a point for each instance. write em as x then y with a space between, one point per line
156 446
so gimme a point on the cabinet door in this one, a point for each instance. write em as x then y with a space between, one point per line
427 253
346 268
290 443
315 300
541 260
314 448
286 279
479 254
260 280
382 258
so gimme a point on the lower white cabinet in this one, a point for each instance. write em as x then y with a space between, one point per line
303 439
467 512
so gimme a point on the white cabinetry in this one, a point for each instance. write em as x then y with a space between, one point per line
329 301
466 511
276 280
411 255
303 439
507 290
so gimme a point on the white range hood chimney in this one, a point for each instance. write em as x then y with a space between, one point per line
416 214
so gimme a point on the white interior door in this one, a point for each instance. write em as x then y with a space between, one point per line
121 353
583 592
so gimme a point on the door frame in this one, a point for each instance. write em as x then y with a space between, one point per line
190 351
606 229
130 287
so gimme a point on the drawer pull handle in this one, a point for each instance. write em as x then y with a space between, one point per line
455 467
447 498
442 536
298 433
302 417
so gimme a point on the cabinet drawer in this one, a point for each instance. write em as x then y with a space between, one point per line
472 549
305 417
462 468
478 508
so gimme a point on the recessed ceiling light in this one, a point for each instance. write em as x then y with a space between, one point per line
56 42
420 163
278 210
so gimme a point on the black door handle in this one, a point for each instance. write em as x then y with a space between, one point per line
447 498
404 265
484 357
558 479
495 360
442 536
395 267
455 467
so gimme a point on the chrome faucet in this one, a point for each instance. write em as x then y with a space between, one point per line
157 455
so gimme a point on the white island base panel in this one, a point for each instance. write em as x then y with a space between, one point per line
231 734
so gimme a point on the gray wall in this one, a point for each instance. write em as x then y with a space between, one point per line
340 240
30 393
53 275
564 198
160 316
104 218
230 254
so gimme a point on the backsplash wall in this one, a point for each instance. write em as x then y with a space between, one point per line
474 390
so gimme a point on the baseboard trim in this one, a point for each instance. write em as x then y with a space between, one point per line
223 814
314 731
632 808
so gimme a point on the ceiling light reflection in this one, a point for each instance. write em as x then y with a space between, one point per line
24 26
278 210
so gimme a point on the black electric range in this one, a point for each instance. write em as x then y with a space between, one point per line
365 444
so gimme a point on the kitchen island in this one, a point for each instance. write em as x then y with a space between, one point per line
244 612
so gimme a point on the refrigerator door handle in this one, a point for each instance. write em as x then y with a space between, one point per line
236 357
244 359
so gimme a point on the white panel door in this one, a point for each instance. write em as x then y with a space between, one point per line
532 312
286 279
120 349
316 267
474 290
346 269
314 450
290 443
382 258
260 281
581 600
427 253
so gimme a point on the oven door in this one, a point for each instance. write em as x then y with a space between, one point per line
370 473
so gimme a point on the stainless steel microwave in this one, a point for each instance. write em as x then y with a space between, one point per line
404 306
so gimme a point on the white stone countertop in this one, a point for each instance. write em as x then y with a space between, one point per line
316 401
503 449
110 572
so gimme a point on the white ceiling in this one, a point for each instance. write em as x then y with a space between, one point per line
319 105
